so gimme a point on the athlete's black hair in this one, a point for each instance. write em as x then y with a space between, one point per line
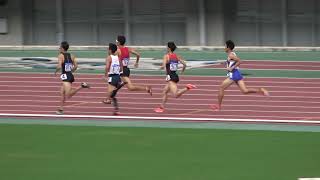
172 46
230 44
64 45
121 40
113 47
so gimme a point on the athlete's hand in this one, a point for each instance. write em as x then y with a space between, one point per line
229 69
136 65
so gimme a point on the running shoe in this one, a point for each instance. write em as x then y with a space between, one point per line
190 86
159 110
85 85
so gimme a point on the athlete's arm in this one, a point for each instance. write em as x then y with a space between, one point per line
75 63
60 61
234 58
118 52
133 51
108 64
182 61
121 65
164 62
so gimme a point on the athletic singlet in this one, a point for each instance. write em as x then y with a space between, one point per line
172 64
125 56
67 64
114 66
230 63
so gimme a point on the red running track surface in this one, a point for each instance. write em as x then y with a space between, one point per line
292 100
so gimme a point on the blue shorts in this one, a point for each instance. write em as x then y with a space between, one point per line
235 75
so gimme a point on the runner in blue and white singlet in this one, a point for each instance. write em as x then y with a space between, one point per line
234 76
124 54
112 73
114 70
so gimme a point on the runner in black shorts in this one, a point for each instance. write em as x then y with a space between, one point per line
171 62
124 56
112 73
67 64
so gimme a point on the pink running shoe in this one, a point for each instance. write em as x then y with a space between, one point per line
190 86
116 113
215 107
265 92
159 110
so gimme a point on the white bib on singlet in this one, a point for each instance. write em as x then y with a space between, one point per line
115 65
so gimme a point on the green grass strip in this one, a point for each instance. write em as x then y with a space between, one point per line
38 152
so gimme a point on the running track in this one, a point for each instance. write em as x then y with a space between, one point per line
292 100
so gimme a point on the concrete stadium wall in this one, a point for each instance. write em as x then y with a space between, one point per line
154 22
13 13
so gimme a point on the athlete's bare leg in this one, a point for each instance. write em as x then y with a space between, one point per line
245 90
165 95
112 95
63 99
67 92
132 87
175 91
225 84
172 87
241 84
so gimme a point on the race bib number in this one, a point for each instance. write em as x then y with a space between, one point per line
125 61
64 77
68 67
110 80
230 74
115 69
168 78
173 66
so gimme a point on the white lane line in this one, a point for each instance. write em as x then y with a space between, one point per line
162 118
171 114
